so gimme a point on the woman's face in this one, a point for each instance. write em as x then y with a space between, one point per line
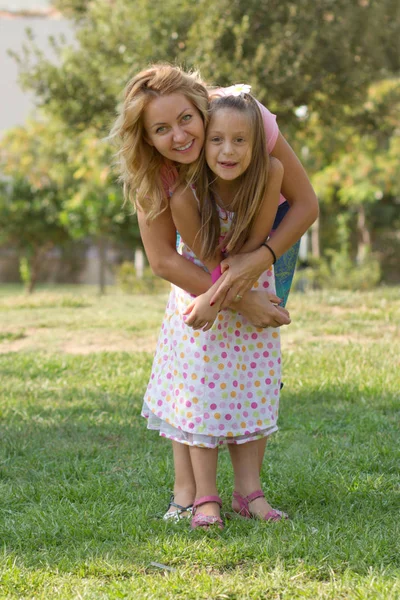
174 127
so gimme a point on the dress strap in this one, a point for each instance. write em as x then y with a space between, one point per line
195 195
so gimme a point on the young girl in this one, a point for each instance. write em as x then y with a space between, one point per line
164 109
221 384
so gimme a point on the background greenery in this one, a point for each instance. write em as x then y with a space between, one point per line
83 484
329 69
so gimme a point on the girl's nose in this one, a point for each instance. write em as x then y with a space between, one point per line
227 149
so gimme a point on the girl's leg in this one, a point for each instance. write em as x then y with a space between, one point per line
245 461
184 485
204 463
261 444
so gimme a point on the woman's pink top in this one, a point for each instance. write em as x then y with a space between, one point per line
169 173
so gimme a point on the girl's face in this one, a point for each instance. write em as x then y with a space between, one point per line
228 143
174 127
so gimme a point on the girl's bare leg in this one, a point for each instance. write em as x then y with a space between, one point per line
204 463
246 461
261 445
184 485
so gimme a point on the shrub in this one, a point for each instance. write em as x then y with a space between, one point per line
338 271
129 283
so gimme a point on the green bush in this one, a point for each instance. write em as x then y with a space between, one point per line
338 271
130 283
25 271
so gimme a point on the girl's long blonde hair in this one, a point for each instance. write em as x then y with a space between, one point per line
252 183
140 165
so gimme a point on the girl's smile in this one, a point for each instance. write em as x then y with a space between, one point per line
174 127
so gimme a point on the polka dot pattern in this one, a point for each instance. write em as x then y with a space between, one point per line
214 387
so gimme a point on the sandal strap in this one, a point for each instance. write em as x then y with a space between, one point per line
205 499
255 495
180 507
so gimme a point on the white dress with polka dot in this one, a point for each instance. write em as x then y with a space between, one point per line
219 386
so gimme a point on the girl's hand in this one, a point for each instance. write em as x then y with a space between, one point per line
241 272
200 314
262 310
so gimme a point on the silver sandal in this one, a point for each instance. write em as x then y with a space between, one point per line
177 514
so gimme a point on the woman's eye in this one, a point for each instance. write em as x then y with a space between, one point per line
186 118
161 129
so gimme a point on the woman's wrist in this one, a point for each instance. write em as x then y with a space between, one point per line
271 251
264 258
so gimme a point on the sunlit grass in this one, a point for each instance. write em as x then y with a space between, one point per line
83 483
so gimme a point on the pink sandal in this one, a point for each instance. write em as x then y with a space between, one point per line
244 511
200 519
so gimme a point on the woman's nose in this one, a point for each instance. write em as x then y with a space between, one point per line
179 134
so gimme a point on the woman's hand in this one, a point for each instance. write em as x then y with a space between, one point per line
262 310
241 272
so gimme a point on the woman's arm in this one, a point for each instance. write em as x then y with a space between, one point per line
243 269
159 240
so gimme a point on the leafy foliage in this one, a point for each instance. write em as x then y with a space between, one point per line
338 61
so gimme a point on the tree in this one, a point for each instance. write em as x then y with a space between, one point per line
30 199
321 55
95 205
318 53
364 169
59 187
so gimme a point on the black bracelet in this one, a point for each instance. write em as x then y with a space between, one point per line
272 252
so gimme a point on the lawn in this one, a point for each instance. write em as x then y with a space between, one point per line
83 483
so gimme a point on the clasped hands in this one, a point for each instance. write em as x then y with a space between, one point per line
233 290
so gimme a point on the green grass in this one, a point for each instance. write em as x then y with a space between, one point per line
83 483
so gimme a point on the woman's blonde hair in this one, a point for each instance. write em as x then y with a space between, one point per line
252 186
140 164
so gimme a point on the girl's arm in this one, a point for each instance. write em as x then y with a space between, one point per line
243 269
200 314
187 221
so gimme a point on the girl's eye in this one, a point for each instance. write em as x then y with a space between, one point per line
240 140
215 140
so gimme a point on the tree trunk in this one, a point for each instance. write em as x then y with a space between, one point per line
35 264
315 247
139 263
102 250
364 236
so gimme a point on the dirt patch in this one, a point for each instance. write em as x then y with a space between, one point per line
73 342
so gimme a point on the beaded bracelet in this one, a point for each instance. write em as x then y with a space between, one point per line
272 252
